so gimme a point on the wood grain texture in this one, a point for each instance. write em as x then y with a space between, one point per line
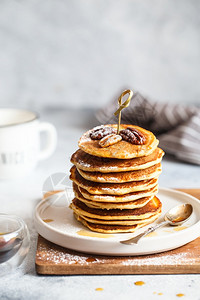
55 260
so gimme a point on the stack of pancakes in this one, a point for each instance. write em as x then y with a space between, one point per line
115 187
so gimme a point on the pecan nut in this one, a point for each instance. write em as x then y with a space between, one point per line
109 140
132 136
101 131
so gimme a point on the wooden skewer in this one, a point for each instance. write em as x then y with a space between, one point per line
123 105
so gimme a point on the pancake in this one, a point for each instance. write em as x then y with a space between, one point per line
90 163
122 149
111 228
151 208
108 228
111 205
119 198
111 188
123 222
148 173
115 179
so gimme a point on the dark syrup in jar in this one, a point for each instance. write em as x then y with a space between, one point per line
9 248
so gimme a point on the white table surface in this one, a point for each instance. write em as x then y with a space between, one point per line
20 197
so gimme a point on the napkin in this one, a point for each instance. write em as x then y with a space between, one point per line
176 126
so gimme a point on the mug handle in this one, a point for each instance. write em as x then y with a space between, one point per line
51 140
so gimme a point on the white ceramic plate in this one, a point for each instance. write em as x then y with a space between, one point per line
54 221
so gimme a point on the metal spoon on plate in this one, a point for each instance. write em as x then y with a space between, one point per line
175 216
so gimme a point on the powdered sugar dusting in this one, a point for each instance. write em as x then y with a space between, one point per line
58 256
86 136
160 259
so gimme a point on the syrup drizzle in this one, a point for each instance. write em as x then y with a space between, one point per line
47 220
93 234
91 259
139 282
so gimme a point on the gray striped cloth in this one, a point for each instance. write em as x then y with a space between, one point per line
176 126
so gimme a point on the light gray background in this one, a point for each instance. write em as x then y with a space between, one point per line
82 53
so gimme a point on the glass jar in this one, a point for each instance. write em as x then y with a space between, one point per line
14 242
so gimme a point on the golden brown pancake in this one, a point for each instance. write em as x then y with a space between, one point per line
151 208
122 149
123 222
111 228
119 198
119 177
111 188
90 163
115 185
111 205
107 228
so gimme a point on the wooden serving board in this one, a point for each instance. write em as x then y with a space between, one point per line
55 260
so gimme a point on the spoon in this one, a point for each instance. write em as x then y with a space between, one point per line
175 216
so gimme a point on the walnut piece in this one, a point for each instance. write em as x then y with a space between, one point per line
102 131
109 140
132 136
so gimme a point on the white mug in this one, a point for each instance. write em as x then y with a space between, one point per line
20 142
